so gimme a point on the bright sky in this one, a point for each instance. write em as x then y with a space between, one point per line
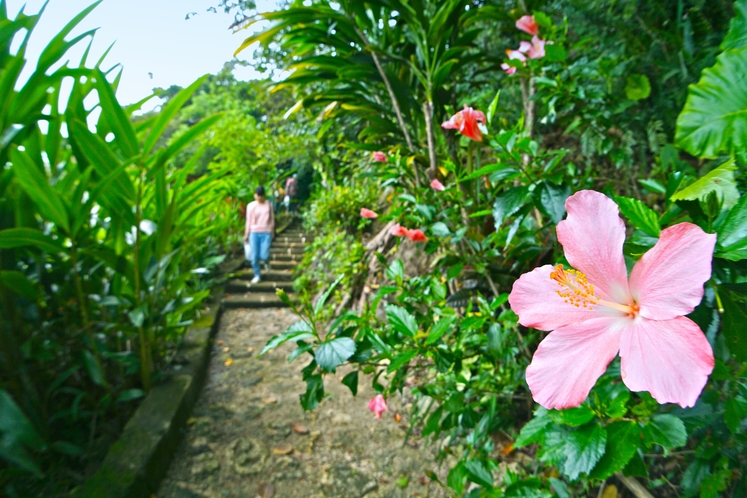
152 36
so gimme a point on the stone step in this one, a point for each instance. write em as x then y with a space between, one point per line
253 300
272 276
280 264
298 251
286 244
296 257
282 239
236 286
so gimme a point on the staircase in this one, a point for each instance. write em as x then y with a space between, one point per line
285 254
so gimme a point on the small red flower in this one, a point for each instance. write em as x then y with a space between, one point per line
399 231
528 25
379 157
436 185
466 122
367 213
416 236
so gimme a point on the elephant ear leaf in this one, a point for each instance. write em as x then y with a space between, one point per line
737 35
714 119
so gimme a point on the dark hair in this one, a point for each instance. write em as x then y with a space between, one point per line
260 191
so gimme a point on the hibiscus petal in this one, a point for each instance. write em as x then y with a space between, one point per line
671 359
592 237
569 361
668 280
535 300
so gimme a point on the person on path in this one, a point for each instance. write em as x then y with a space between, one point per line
259 231
291 189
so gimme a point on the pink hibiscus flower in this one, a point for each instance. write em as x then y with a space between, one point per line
466 122
508 69
377 405
528 25
367 213
436 185
416 236
519 54
379 157
535 50
596 311
399 231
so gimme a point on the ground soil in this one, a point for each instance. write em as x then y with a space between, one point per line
248 435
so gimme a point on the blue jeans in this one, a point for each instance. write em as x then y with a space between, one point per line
260 244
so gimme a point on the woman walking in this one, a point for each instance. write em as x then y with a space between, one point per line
259 231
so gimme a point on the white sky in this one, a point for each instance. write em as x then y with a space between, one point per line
152 36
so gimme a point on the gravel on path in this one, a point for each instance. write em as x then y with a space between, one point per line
248 435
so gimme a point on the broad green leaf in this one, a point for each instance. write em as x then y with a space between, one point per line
734 320
720 180
640 215
92 367
736 37
508 203
37 187
17 433
297 332
351 380
332 354
623 440
637 87
314 392
99 153
440 229
401 360
714 119
665 430
550 200
478 473
584 447
573 416
17 282
116 117
533 431
732 235
402 321
735 410
439 329
555 53
395 271
22 237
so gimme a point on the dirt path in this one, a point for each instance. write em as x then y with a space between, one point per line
242 441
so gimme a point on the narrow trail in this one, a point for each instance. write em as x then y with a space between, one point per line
248 435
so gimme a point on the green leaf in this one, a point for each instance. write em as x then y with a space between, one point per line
92 367
478 473
37 187
665 430
401 320
457 478
130 394
734 318
116 117
555 53
296 332
351 380
314 392
640 215
653 185
395 271
573 416
637 87
17 282
493 107
508 203
732 235
332 354
323 299
584 447
401 360
533 431
714 119
550 200
17 433
440 229
735 410
736 37
439 329
720 180
623 440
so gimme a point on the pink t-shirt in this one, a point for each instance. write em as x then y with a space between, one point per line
259 218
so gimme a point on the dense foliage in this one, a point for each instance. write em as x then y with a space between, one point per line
640 100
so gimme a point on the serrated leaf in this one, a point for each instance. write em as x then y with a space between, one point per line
640 215
665 430
550 200
533 431
714 119
623 440
508 203
332 354
439 329
478 473
584 447
298 331
401 320
720 180
574 417
395 271
401 360
732 235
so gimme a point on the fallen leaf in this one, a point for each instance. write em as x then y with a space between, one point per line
610 491
403 481
220 343
266 490
269 400
228 362
286 449
423 480
300 429
508 449
249 350
225 350
412 444
397 417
